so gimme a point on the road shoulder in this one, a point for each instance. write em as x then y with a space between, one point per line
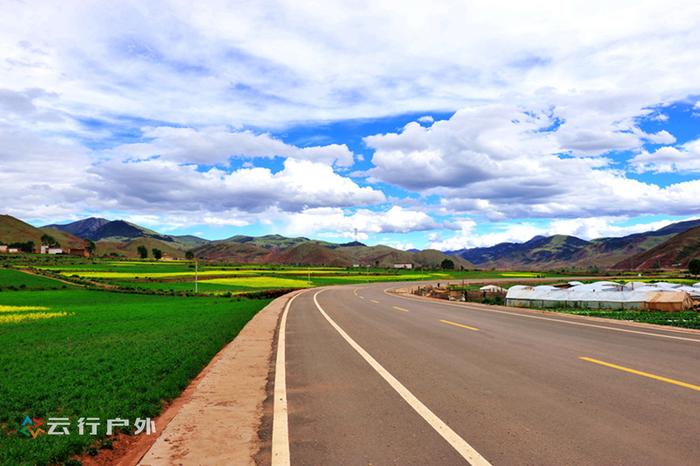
219 415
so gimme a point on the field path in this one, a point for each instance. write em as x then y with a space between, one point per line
29 272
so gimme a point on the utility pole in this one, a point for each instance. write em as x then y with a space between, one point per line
196 275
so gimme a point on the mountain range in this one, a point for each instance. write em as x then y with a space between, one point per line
562 251
119 238
670 247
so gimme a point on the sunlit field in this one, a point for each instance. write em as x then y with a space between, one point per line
80 353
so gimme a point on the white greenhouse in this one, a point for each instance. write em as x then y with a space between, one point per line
606 295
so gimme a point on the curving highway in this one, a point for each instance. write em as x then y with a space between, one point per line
371 377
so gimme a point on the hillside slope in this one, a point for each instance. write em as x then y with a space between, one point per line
13 230
673 253
130 248
538 252
240 253
561 251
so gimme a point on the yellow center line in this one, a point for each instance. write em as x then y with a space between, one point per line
374 301
459 325
643 374
400 309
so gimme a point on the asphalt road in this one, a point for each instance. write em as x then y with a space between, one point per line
375 378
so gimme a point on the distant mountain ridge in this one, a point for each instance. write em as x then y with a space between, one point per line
82 228
670 246
561 251
122 238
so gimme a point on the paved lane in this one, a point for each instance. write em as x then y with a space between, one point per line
515 389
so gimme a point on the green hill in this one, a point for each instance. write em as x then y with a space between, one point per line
674 253
13 230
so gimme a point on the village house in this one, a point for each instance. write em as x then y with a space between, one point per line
80 252
403 266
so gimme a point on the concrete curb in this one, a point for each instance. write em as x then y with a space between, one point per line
218 416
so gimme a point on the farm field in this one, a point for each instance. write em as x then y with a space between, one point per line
14 279
90 353
217 279
688 319
223 281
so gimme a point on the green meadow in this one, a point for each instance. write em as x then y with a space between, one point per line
179 276
14 279
83 353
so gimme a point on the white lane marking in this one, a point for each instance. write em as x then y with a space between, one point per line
280 424
458 443
550 319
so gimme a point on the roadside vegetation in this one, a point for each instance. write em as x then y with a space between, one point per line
686 319
86 353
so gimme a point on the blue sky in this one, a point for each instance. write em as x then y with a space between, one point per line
449 126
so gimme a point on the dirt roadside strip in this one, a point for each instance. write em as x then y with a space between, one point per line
216 419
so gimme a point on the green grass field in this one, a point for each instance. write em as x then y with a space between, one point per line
96 353
14 279
688 319
178 276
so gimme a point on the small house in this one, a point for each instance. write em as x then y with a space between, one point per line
403 266
81 252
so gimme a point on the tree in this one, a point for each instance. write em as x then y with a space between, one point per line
143 252
447 264
694 267
189 255
91 247
27 246
50 241
157 253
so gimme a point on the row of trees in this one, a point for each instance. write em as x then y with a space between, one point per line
143 252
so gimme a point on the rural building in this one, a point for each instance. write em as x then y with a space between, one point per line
403 266
54 251
81 252
606 295
44 249
492 289
13 250
3 248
